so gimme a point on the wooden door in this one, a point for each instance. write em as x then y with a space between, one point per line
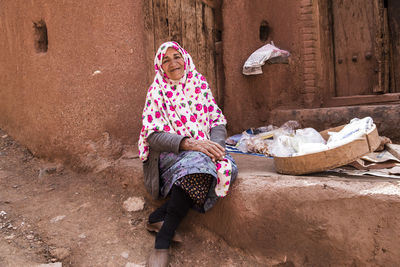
365 52
191 23
357 30
393 10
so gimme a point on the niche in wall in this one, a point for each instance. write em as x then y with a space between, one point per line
41 40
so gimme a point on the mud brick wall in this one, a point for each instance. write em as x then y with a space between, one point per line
72 73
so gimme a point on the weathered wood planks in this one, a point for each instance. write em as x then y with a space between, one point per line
189 22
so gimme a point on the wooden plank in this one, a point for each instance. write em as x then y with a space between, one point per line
160 15
175 21
386 45
327 80
357 51
379 45
219 65
200 62
149 35
220 75
362 99
189 38
394 26
210 49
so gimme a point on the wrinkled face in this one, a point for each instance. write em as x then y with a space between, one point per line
173 64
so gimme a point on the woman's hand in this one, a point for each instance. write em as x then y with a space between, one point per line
214 150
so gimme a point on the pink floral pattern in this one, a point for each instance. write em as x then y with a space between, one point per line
184 108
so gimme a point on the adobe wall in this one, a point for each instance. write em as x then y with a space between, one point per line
250 99
89 85
298 90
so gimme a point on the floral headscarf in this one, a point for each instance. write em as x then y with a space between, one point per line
185 107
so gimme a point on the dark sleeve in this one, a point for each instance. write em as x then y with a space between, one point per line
218 134
165 142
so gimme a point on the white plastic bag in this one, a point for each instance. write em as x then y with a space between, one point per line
282 146
355 129
258 58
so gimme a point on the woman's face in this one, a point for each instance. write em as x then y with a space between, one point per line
173 64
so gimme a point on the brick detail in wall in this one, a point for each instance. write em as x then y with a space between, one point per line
308 36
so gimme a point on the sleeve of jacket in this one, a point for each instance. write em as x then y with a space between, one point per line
165 142
218 134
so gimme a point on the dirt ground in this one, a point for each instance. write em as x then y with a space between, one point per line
50 214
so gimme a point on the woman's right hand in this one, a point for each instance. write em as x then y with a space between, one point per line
212 149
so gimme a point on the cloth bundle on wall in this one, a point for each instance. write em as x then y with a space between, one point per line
257 59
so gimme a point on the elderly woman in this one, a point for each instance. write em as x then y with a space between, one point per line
182 146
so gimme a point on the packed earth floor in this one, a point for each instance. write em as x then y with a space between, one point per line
54 216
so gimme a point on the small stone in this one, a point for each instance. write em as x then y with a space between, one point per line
131 264
82 236
51 170
30 237
134 204
58 218
47 170
60 253
9 237
135 221
125 254
4 136
96 72
55 264
2 213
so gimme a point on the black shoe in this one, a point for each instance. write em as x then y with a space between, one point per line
158 258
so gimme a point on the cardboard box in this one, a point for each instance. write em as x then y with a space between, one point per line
329 159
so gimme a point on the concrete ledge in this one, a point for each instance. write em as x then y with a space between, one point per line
308 220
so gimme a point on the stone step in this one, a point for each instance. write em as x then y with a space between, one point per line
314 220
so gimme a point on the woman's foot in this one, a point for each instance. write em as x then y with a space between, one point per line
158 258
155 227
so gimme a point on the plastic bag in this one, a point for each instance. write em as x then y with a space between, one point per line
355 129
258 58
258 140
243 142
282 146
309 135
290 142
254 143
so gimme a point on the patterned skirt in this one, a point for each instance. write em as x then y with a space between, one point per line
195 173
